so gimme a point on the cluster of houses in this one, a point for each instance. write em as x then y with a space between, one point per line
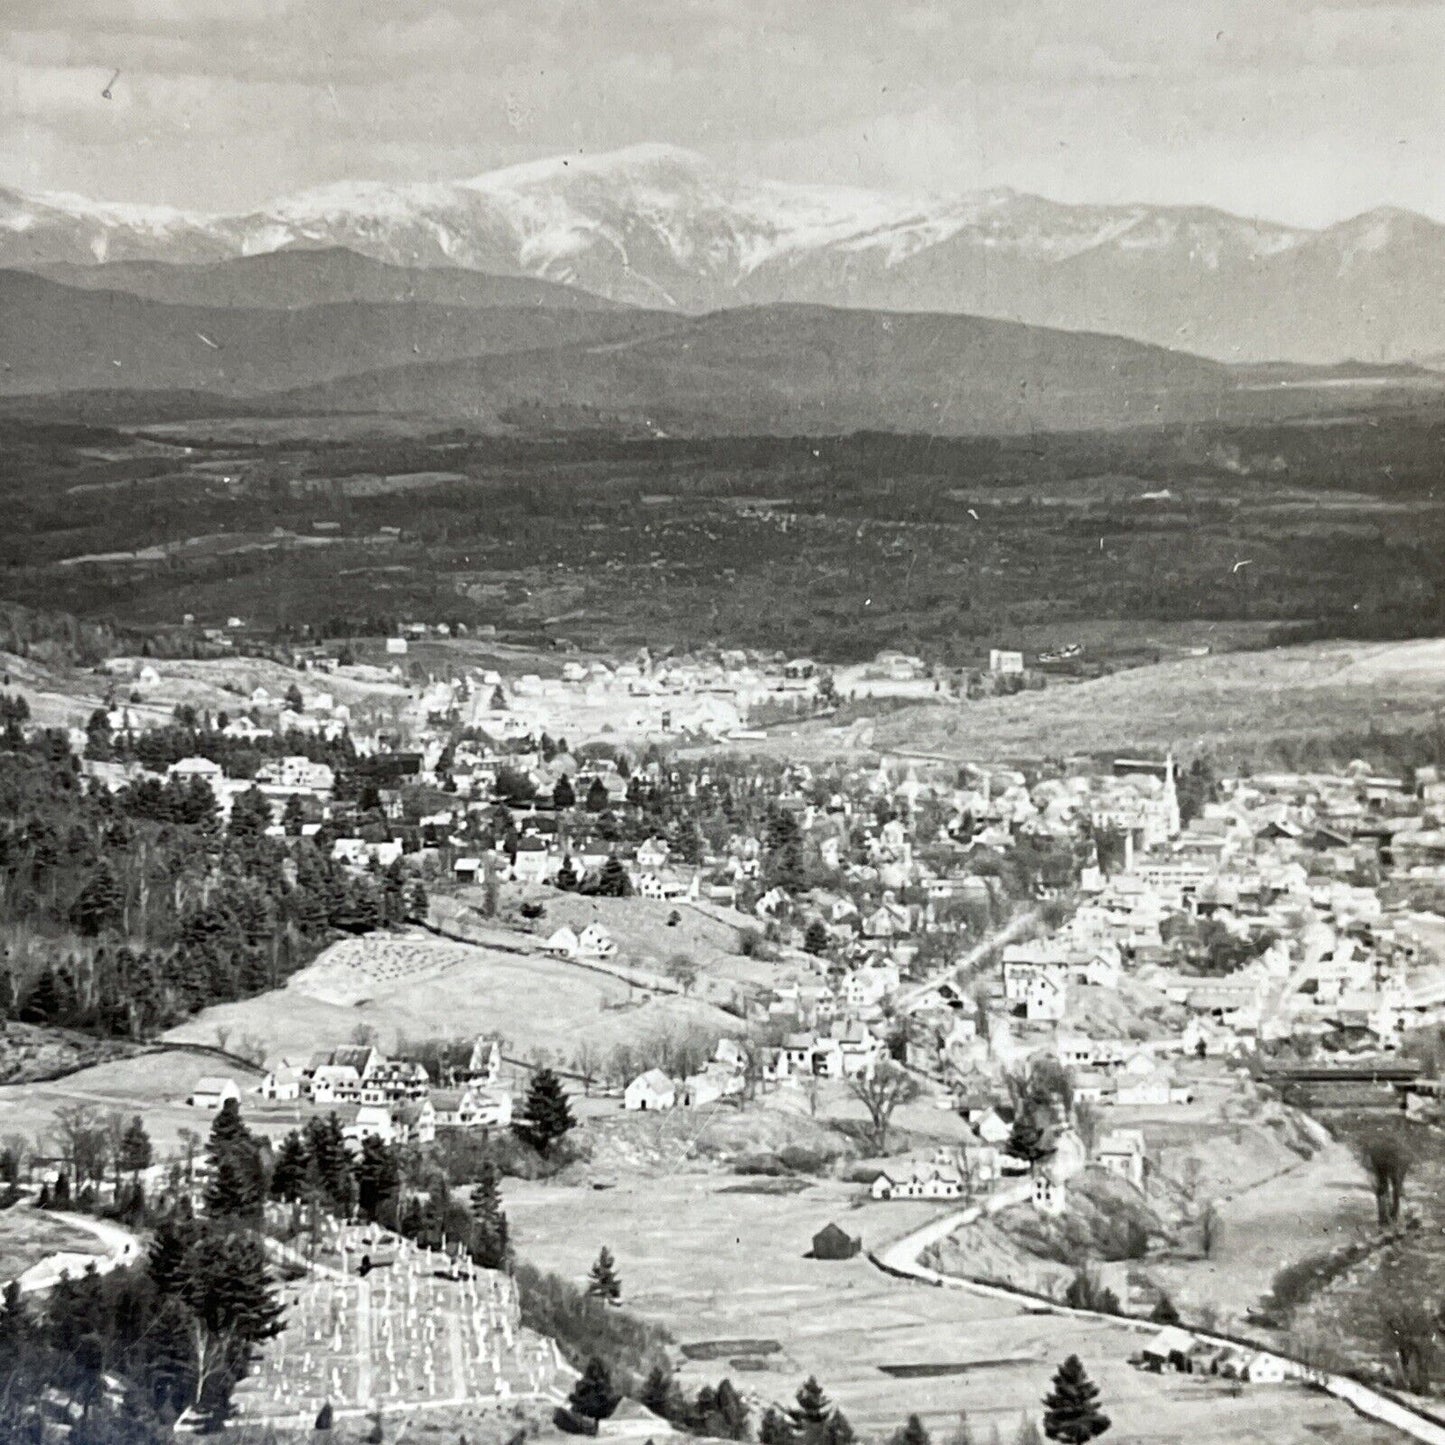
723 1077
394 1100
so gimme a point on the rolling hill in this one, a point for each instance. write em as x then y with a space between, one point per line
62 339
812 370
664 227
287 280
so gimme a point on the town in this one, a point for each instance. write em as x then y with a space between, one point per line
386 965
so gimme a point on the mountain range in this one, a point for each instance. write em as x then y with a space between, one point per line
664 228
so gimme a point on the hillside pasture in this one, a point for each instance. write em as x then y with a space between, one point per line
535 1003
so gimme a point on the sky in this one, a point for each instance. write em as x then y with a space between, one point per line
1300 110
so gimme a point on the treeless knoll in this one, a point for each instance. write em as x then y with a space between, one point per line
456 990
1241 704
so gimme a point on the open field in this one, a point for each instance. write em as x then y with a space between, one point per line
531 1001
28 1234
1246 707
715 1264
154 1085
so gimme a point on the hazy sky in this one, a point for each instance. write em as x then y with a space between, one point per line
1306 110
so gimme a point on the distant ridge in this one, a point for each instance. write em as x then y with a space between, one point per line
297 277
658 226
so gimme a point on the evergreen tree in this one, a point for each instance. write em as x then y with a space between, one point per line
596 801
815 940
491 1234
324 1417
378 1178
1026 1139
98 905
1164 1312
613 881
294 700
593 1394
331 1172
913 1433
602 1282
563 794
546 1116
135 1148
775 1429
1071 1412
729 1415
288 1176
838 1430
659 1392
234 1186
812 1407
566 877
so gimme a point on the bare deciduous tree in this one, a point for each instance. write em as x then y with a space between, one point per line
881 1092
1388 1159
1407 1330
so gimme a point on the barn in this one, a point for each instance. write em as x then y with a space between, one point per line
831 1242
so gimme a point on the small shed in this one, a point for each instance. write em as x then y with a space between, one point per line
213 1091
832 1242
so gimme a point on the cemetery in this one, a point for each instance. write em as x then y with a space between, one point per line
378 1322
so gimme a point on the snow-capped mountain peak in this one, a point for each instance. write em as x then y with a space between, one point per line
664 226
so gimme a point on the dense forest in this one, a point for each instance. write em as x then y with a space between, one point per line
124 912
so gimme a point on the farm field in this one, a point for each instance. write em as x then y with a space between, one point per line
714 1260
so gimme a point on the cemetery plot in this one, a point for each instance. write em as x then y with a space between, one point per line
380 1322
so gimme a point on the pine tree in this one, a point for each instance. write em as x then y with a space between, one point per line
913 1432
596 801
1071 1413
613 881
657 1390
331 1170
546 1116
563 794
593 1394
566 877
491 1234
815 940
378 1178
135 1148
603 1282
775 1429
1164 1312
1026 1138
730 1413
98 905
812 1407
838 1430
288 1174
234 1186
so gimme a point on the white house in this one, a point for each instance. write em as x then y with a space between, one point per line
595 942
1121 1152
562 942
651 1091
281 1084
